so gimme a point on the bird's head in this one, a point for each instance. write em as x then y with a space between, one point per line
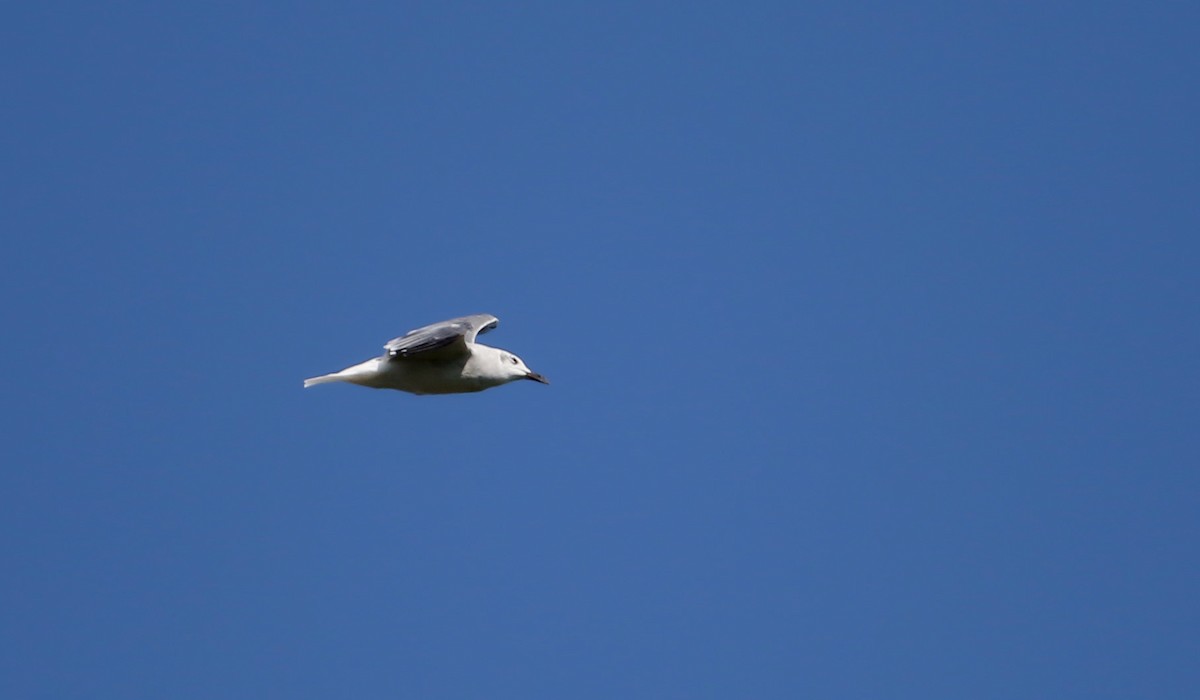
515 368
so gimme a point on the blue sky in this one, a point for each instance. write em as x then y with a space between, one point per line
872 333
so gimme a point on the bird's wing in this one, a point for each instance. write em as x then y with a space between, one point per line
448 338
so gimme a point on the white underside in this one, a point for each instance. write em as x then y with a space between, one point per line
417 376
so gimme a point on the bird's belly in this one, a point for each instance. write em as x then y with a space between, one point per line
427 378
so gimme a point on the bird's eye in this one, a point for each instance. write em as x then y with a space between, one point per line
512 360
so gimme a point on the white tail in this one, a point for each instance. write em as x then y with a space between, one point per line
323 379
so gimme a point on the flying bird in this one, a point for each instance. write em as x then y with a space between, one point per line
441 358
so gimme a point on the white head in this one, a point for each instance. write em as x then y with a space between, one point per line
514 368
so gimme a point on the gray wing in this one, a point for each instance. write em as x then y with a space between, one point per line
448 337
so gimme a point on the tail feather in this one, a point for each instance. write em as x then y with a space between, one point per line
362 373
323 379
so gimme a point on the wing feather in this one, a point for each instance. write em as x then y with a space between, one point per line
449 337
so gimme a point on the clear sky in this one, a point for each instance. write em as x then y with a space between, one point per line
872 328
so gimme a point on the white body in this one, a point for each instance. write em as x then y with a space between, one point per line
481 369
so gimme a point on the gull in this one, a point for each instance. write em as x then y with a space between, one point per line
441 358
